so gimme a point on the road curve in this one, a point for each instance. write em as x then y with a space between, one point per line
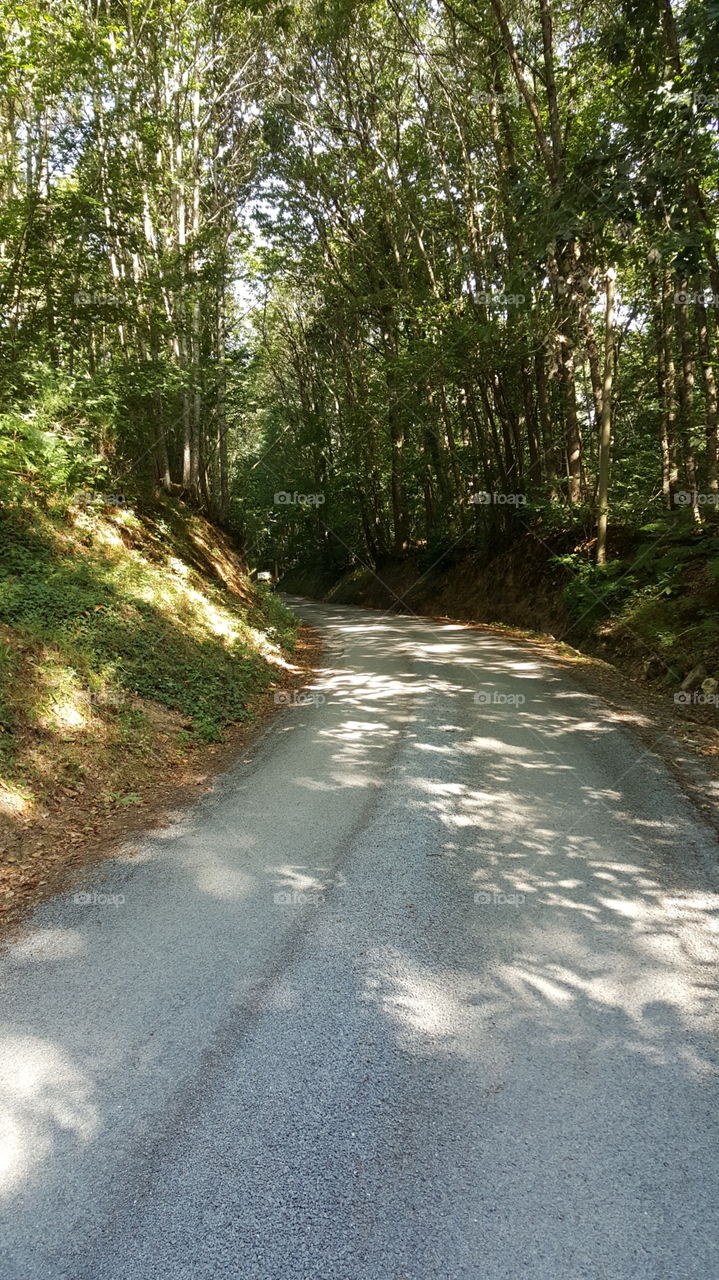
424 990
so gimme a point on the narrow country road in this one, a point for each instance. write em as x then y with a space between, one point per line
424 990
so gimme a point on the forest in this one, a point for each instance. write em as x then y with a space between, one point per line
358 279
359 639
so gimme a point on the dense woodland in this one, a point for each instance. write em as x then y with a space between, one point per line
435 270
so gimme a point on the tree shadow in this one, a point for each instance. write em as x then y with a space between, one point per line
503 910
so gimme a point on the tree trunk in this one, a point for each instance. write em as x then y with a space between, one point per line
669 406
605 435
710 388
573 438
686 398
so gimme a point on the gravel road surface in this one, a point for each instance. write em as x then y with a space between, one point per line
424 991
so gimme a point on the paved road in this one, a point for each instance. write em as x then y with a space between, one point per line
427 990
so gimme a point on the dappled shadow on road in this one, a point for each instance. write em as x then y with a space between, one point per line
44 1093
572 920
570 923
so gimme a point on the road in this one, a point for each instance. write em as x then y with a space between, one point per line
424 990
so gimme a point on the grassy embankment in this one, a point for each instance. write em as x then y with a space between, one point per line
129 639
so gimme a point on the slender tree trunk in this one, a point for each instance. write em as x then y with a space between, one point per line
669 404
686 398
571 418
545 424
195 314
224 498
710 388
605 436
395 418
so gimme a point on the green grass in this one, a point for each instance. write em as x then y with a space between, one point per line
112 602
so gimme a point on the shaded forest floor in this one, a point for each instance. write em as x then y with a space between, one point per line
136 659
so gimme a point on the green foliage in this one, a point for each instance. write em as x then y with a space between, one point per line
46 450
436 234
139 623
663 592
593 592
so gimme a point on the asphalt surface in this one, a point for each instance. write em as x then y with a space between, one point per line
426 990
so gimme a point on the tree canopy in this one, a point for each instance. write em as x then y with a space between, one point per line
361 277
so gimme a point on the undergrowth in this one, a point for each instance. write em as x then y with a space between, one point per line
106 610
